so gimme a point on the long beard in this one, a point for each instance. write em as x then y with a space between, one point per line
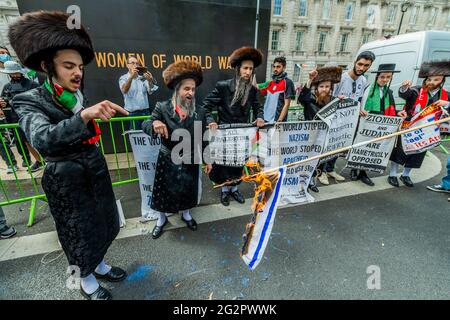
186 107
243 88
431 87
323 99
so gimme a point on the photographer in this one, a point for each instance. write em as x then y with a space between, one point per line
18 84
136 85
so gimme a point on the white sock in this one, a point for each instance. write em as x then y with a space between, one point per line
394 169
406 172
187 215
89 284
234 189
225 189
161 220
102 268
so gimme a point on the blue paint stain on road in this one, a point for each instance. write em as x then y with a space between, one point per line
140 273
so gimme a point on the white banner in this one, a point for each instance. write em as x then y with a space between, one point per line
231 145
145 151
341 117
374 156
291 142
424 139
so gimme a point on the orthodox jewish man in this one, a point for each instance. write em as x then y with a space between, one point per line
233 99
378 98
177 186
316 94
417 99
76 180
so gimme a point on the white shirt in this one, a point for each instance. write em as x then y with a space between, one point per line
353 89
136 98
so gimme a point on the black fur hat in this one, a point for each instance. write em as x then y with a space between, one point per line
332 74
181 70
246 53
37 34
435 68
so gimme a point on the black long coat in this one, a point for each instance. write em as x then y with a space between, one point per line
220 100
177 187
76 180
398 155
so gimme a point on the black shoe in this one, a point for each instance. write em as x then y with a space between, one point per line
238 196
225 198
313 187
7 232
393 181
99 294
354 175
157 231
407 181
114 275
365 179
191 224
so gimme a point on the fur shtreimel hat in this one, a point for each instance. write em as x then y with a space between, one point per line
332 74
181 70
37 34
435 68
246 53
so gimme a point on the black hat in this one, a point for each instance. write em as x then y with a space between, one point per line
385 68
181 70
36 34
246 53
435 68
332 74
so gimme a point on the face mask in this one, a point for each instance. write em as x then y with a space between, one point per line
4 57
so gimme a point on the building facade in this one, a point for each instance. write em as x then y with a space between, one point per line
8 13
314 33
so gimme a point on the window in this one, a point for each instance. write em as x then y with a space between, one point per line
370 14
349 11
303 8
326 9
413 17
391 14
275 39
277 8
299 41
297 70
365 38
432 16
322 39
344 40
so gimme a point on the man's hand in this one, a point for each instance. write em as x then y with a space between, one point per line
260 122
407 84
363 113
160 128
208 168
149 77
134 73
442 103
104 110
341 97
2 114
2 103
313 74
402 114
213 126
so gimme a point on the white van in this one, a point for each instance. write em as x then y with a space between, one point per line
408 51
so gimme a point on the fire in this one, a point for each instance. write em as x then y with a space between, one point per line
265 183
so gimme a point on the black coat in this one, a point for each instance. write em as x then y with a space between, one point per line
398 155
220 100
177 187
76 179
